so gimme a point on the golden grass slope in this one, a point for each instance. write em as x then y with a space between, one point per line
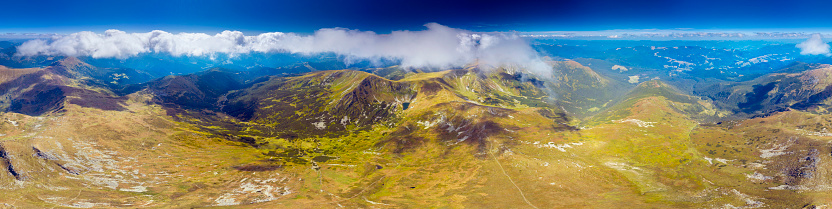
467 140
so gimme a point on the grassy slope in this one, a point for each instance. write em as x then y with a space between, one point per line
654 139
466 140
140 157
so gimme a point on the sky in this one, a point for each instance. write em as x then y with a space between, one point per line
384 16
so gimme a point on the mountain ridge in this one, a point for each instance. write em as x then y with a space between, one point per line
385 136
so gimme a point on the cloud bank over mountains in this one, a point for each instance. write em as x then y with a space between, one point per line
814 46
436 47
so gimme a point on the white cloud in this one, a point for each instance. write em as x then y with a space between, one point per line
436 47
814 46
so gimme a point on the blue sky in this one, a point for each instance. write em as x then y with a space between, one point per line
383 16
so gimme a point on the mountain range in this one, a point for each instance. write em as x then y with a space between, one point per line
619 124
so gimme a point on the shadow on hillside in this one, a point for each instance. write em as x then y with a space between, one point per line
33 95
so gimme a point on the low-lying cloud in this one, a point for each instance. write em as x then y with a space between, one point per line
814 46
436 47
